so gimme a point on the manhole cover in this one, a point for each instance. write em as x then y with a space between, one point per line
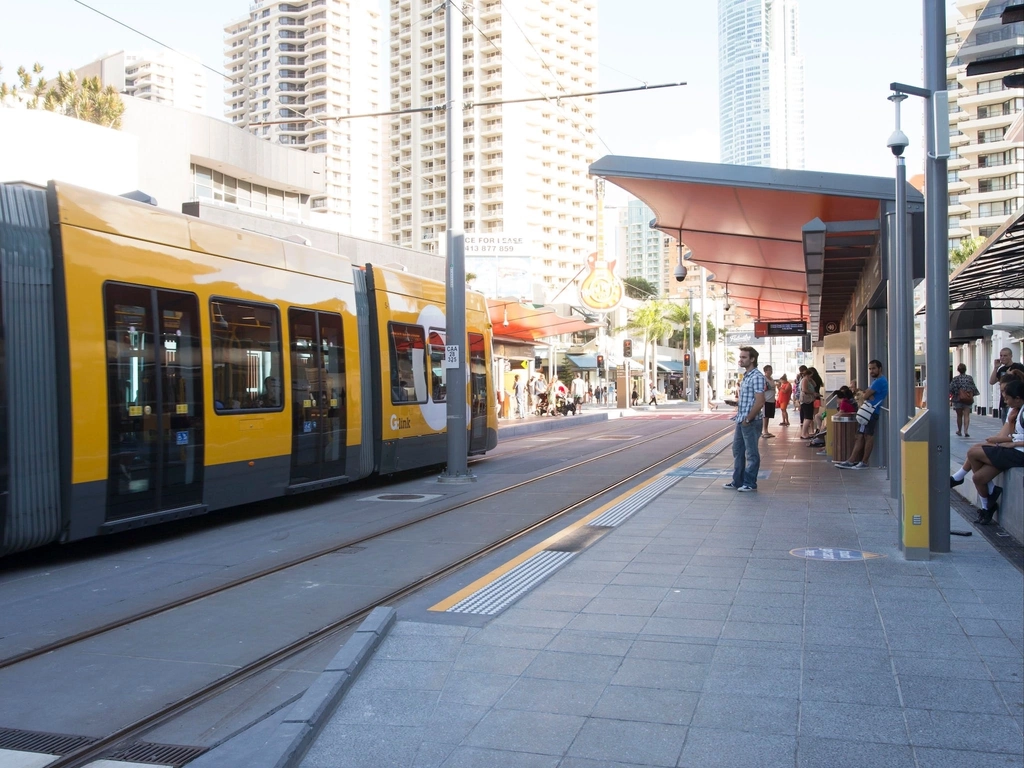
408 498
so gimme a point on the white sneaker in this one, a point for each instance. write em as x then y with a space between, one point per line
859 465
746 489
730 486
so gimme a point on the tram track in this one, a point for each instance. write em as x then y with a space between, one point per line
306 558
132 731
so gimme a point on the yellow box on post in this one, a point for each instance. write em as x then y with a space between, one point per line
914 521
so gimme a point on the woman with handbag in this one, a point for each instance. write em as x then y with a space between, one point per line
810 392
962 392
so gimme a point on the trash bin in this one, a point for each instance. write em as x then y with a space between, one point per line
845 435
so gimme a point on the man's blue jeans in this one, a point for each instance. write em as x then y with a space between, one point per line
746 453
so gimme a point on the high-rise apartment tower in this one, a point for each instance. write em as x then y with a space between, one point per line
294 67
161 76
645 247
761 83
524 166
986 184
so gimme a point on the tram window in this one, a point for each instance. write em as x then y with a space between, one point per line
438 379
408 363
477 374
246 357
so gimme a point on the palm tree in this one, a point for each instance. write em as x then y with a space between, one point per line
639 288
650 320
86 100
23 91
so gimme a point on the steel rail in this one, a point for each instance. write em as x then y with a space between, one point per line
94 751
124 621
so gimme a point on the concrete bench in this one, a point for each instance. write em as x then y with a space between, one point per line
1011 504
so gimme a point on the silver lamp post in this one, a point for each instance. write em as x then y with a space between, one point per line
901 313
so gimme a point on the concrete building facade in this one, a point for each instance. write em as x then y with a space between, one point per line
986 182
163 77
176 156
294 69
761 83
524 166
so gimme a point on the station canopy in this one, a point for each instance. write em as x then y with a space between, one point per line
995 272
517 321
744 224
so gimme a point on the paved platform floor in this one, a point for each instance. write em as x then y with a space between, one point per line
691 636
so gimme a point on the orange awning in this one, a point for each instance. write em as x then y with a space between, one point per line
529 322
744 224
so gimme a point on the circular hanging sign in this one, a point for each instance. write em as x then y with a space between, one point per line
831 327
833 553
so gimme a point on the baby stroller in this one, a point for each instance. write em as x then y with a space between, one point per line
564 406
542 403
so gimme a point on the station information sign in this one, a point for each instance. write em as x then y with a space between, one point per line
780 328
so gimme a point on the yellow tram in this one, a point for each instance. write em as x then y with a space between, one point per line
154 366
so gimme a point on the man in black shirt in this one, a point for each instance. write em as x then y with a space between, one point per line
1003 364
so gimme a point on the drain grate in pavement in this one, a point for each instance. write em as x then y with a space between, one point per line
157 754
38 741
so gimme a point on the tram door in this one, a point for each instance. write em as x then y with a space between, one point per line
478 402
318 396
155 400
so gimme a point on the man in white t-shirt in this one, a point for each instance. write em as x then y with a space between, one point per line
579 392
769 400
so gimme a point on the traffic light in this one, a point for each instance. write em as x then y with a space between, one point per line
600 362
686 359
536 362
627 347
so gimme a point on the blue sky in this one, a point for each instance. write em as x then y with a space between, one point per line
852 51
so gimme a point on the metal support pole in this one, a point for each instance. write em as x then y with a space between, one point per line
937 275
894 366
901 310
861 370
703 339
719 346
457 470
690 379
877 346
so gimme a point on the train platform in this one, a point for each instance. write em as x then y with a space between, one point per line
704 628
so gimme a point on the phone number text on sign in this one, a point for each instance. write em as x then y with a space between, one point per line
490 248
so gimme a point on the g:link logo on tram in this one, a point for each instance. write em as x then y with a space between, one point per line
397 423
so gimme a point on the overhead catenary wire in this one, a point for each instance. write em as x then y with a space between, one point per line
495 103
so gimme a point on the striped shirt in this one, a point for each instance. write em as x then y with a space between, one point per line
753 383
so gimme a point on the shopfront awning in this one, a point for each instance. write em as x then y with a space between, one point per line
745 225
583 362
514 320
968 323
995 271
670 366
